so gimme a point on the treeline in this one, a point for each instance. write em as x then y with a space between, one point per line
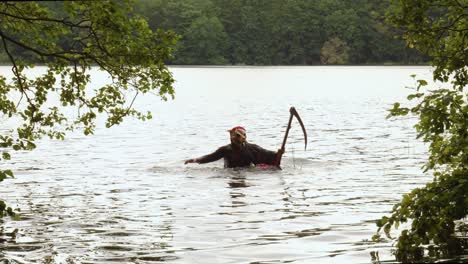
274 32
280 32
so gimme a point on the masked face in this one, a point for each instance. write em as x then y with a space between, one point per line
238 137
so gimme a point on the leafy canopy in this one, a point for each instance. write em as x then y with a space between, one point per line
438 28
279 32
70 40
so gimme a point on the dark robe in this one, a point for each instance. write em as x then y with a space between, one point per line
245 156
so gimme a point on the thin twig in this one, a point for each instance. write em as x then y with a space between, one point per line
21 86
16 72
19 101
47 19
5 37
129 107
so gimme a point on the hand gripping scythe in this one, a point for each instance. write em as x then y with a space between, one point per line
293 112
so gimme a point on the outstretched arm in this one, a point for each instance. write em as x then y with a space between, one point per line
218 154
191 161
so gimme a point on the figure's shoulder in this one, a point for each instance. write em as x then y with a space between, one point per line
255 147
252 145
227 147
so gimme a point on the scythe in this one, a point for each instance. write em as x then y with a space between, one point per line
294 113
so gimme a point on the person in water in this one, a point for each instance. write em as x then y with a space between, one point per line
240 153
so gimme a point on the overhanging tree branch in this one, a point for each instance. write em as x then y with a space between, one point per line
17 73
41 53
47 19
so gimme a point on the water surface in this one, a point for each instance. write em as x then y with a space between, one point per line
124 195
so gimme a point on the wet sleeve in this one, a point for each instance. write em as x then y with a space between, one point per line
218 154
263 156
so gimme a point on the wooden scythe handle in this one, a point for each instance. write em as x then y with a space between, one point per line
292 112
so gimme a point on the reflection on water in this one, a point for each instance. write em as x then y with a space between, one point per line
124 195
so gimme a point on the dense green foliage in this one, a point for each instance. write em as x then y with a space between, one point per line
276 32
279 32
102 33
70 37
437 212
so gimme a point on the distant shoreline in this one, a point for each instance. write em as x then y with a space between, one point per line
272 66
298 66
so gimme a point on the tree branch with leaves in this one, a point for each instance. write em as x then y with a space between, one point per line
436 212
71 39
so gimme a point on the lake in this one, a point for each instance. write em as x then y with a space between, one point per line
124 195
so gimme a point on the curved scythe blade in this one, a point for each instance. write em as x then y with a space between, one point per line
296 114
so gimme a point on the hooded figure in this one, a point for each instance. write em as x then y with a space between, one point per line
240 153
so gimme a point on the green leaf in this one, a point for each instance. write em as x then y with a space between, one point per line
387 230
376 238
417 95
6 156
422 82
9 173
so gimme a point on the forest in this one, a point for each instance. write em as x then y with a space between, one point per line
133 41
273 32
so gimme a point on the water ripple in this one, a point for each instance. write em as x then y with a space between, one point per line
129 197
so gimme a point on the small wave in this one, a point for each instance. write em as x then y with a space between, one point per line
67 195
20 248
29 169
159 258
120 234
116 248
